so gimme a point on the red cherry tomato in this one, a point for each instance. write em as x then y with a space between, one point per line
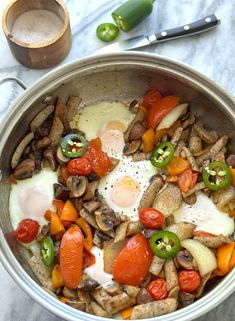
79 166
158 289
100 162
151 218
132 264
88 259
151 97
189 281
27 230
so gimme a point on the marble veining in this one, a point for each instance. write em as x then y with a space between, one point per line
212 53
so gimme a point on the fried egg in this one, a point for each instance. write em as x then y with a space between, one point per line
206 216
30 198
124 186
106 120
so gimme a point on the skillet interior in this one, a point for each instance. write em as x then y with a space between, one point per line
112 78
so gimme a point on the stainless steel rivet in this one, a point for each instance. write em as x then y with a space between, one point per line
163 33
208 19
186 27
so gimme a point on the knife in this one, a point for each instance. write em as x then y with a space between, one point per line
190 29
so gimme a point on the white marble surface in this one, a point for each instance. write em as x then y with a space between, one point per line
212 53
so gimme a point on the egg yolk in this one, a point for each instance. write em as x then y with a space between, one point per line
125 191
111 135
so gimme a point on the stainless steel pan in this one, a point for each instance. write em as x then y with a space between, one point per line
116 76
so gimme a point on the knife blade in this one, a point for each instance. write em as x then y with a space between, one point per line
190 29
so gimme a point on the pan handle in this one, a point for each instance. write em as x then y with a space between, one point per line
18 81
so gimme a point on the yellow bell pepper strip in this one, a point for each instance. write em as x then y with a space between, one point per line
225 257
159 134
47 215
177 166
148 140
63 299
88 240
69 212
126 313
233 176
172 179
56 225
56 277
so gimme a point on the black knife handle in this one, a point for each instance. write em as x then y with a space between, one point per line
195 27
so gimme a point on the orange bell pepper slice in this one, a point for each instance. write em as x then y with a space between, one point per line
56 277
88 259
47 215
69 212
159 134
232 213
233 176
59 205
160 109
203 233
151 97
96 143
63 299
148 140
64 173
232 260
187 180
126 313
88 240
225 257
177 166
56 225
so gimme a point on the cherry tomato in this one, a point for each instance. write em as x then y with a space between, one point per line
88 259
132 264
151 218
100 162
158 289
71 257
189 281
27 230
79 166
161 108
151 97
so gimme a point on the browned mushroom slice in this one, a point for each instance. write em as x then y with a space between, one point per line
111 251
98 310
61 192
225 199
131 290
76 304
99 238
143 297
154 309
191 159
106 219
87 283
69 293
138 157
171 275
168 200
133 106
132 147
185 260
231 160
148 233
41 117
186 298
41 271
182 230
89 218
61 111
137 131
77 185
91 189
121 232
156 265
20 149
72 104
44 232
25 169
213 241
191 199
189 120
208 137
179 147
56 132
176 137
134 227
140 117
43 143
193 190
113 289
49 154
202 285
62 160
92 206
195 142
155 184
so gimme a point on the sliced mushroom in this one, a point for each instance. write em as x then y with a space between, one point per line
44 129
134 227
188 120
131 290
44 232
41 117
168 200
43 143
69 293
121 232
143 297
61 192
132 147
99 238
105 219
195 143
78 203
25 169
208 137
77 185
89 218
156 265
56 132
37 157
179 147
72 104
111 251
176 137
139 117
156 183
62 160
185 260
138 157
191 159
113 289
91 190
41 271
137 131
76 304
213 241
191 199
92 206
61 111
186 298
49 154
20 149
148 233
133 106
87 283
98 310
231 160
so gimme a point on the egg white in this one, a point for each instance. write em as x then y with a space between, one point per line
206 216
92 118
139 171
30 198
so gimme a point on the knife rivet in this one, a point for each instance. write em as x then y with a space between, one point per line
163 33
208 19
186 27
